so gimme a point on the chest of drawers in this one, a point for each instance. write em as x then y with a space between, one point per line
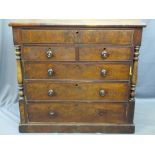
77 76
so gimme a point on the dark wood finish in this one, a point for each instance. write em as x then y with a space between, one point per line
75 128
75 112
67 53
137 36
123 37
130 111
114 53
22 112
48 36
17 36
60 53
76 91
77 71
76 98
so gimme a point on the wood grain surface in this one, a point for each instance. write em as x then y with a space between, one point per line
77 71
35 90
74 112
122 37
59 53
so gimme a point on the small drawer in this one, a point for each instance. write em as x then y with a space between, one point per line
105 36
102 53
77 112
77 71
47 90
50 53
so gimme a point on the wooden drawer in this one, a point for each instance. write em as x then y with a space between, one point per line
46 90
74 112
102 53
77 71
52 53
67 53
123 37
48 36
106 36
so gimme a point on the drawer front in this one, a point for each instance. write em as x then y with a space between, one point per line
122 37
55 53
48 36
51 53
74 112
78 71
105 54
37 90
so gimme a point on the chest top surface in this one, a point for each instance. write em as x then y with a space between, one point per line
78 22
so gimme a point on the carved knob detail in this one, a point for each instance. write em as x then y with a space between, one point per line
49 53
102 92
104 54
51 92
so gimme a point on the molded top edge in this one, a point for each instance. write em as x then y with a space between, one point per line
78 22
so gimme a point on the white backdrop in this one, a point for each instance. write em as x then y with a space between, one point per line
8 82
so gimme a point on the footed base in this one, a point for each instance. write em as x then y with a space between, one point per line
76 128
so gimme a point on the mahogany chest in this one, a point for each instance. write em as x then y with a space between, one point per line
77 75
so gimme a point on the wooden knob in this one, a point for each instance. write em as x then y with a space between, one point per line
102 92
104 54
51 92
103 72
50 72
51 113
49 53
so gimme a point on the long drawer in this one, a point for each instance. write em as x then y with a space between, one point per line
115 36
47 90
86 53
77 71
74 112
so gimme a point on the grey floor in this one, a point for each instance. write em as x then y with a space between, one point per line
144 118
